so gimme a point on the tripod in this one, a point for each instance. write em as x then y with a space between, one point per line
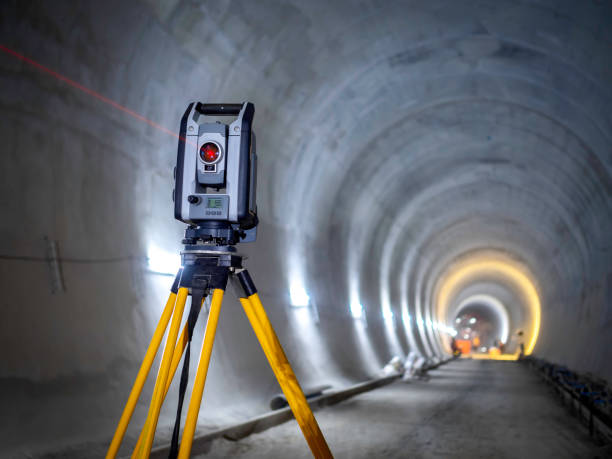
207 268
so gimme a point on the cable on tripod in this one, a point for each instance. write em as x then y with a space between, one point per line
197 295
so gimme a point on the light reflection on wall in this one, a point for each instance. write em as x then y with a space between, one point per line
298 295
303 313
390 334
162 261
366 352
407 323
422 328
356 309
295 268
364 345
304 321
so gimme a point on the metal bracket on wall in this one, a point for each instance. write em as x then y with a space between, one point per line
57 280
315 312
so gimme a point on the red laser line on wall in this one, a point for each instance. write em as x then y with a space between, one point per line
88 91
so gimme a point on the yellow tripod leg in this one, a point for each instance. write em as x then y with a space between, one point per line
256 325
285 376
143 372
162 376
200 379
176 359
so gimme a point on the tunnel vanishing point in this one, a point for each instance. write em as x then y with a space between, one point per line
432 174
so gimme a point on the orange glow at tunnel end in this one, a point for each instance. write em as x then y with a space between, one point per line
485 265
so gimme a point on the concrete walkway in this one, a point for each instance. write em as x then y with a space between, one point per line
468 409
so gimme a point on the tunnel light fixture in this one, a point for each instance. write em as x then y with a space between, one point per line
299 297
457 320
387 314
445 328
356 309
473 320
162 262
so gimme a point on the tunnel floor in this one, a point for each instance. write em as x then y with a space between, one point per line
466 409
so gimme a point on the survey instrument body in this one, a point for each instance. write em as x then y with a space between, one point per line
215 181
216 172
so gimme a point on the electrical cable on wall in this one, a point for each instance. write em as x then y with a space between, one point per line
74 260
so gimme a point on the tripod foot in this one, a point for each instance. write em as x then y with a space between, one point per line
200 379
143 372
282 368
160 384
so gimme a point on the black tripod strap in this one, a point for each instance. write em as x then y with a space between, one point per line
197 295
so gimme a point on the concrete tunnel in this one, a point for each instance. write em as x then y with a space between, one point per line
427 170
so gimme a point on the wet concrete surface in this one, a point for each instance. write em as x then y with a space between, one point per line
475 409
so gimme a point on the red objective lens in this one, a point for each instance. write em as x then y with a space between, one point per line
209 152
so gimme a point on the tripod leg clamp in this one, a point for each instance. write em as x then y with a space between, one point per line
247 283
204 277
177 281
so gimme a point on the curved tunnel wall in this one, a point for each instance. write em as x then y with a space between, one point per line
394 139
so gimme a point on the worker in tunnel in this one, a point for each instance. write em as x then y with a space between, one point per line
521 344
454 348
